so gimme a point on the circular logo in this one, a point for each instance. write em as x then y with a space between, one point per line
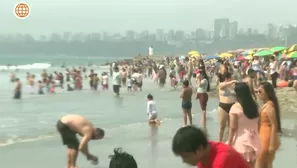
22 10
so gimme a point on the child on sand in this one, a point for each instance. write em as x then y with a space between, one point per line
151 109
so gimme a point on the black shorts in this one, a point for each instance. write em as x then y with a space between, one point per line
68 135
116 89
186 105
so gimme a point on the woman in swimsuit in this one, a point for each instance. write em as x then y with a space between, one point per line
227 99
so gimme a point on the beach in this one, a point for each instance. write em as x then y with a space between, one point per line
28 137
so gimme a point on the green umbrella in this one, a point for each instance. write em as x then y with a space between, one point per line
277 49
263 53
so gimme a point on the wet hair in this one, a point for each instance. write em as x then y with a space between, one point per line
268 88
188 139
122 159
186 83
206 77
100 132
245 99
150 97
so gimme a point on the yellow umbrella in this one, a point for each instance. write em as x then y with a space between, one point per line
292 48
193 52
249 57
195 55
223 55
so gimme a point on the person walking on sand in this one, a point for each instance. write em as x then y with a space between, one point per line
270 125
70 125
186 96
227 99
243 129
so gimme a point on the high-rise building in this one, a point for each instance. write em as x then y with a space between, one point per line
179 35
170 35
221 28
160 35
201 34
233 29
271 32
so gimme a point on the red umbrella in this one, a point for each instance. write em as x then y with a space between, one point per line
241 58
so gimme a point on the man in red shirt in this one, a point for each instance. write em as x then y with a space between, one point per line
191 144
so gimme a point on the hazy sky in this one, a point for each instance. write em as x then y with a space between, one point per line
120 15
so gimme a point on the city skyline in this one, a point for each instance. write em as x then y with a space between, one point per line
224 28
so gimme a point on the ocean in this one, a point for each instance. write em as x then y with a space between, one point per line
28 137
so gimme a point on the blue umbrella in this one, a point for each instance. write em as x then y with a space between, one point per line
211 57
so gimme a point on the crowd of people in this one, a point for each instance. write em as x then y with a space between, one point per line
253 130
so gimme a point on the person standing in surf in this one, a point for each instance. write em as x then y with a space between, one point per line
116 79
17 89
70 125
186 104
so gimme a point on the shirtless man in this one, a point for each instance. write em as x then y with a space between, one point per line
186 97
69 126
252 74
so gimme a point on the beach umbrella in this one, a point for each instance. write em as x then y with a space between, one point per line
240 58
263 53
249 57
277 49
248 52
291 55
211 57
224 55
195 55
291 48
193 52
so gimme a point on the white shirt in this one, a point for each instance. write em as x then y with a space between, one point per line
116 78
273 69
129 82
151 107
104 79
135 76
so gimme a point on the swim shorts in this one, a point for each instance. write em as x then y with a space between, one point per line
68 135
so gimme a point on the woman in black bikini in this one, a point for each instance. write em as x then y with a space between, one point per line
227 99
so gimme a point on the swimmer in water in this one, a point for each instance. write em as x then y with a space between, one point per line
70 125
